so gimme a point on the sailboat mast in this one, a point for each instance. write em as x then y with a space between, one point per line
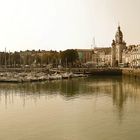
5 59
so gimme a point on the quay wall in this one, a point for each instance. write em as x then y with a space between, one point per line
109 71
131 72
97 71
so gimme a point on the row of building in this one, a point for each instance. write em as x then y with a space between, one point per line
117 55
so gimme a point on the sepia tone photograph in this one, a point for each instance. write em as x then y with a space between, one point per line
69 70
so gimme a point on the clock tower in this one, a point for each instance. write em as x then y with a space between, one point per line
117 48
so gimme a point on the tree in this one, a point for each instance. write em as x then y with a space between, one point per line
68 57
16 58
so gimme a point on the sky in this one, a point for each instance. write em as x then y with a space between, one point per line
66 24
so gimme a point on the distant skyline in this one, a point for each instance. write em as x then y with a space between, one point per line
66 24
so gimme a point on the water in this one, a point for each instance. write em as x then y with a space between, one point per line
98 108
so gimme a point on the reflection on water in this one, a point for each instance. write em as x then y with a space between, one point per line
118 88
76 101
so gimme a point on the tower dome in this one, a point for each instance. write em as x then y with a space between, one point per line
119 35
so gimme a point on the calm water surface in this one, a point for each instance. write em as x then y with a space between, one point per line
98 108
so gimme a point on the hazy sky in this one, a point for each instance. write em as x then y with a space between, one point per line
62 24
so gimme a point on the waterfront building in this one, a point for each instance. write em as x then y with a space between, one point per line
99 56
118 45
121 53
131 55
113 56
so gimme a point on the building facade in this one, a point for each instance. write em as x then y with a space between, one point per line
131 55
98 56
85 55
102 56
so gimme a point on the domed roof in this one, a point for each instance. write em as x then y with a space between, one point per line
119 35
119 32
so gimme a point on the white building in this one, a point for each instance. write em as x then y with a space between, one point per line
131 55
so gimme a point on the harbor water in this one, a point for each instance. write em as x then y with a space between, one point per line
93 108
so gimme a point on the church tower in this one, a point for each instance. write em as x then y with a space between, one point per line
117 48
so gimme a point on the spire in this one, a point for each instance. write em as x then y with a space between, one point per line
118 24
93 45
